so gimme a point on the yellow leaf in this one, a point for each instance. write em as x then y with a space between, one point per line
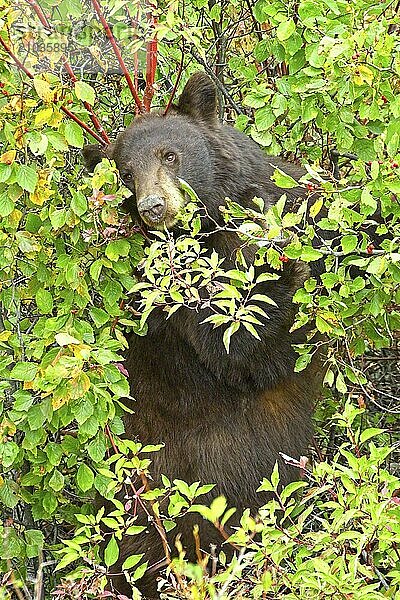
79 385
60 396
42 191
43 89
81 351
8 157
316 207
15 217
4 335
363 75
64 339
43 116
56 118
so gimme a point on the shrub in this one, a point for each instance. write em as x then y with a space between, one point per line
316 81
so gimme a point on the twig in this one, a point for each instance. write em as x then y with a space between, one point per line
16 589
178 77
156 519
217 82
118 54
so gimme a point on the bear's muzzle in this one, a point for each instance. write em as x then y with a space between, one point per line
152 209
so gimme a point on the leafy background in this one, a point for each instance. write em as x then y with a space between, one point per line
314 81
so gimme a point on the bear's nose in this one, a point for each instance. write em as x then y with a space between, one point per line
152 209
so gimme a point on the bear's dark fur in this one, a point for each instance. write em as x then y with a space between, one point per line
224 418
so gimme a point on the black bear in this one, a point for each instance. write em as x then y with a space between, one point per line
224 418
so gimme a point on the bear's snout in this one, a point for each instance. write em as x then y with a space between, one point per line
152 209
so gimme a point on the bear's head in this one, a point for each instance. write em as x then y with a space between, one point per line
157 151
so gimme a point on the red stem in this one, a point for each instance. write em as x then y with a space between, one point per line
42 17
89 108
71 115
134 24
83 125
151 63
118 55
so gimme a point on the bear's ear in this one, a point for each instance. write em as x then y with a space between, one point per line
94 153
199 98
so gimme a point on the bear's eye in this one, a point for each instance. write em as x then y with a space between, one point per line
126 176
170 158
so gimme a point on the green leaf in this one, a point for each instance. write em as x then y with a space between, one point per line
135 530
349 243
302 362
56 481
229 331
99 316
285 29
111 553
6 204
97 447
117 248
309 254
44 301
65 339
26 177
283 180
49 502
5 172
217 508
7 495
264 118
24 371
57 141
34 542
131 561
84 92
139 572
74 134
8 452
85 478
43 89
369 433
78 203
54 453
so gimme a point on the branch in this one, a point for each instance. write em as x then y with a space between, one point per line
151 62
155 517
217 82
134 23
178 77
71 115
118 54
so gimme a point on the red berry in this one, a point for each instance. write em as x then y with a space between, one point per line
394 165
370 248
384 99
283 258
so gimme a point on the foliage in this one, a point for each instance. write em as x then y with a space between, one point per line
316 81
